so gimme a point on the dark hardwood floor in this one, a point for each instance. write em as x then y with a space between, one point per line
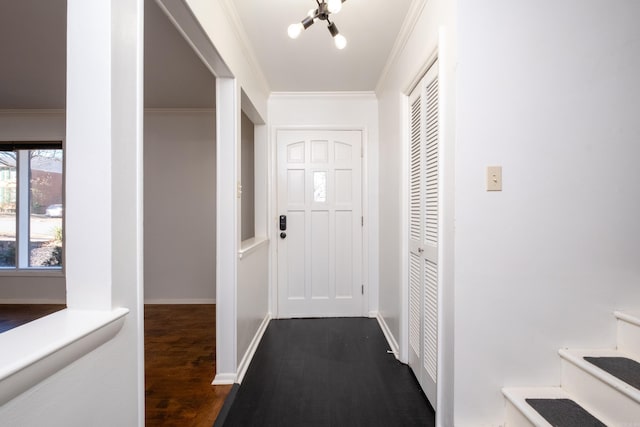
14 315
180 348
327 372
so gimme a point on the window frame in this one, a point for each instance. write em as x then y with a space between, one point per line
22 216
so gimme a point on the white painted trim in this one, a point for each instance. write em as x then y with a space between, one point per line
576 357
410 21
393 344
224 379
52 111
251 350
366 95
227 137
32 272
180 110
38 349
251 245
243 41
182 17
404 252
33 301
273 223
632 318
180 301
422 71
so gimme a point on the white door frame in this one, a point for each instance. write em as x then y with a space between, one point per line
445 366
274 215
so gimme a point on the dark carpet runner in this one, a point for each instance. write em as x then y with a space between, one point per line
627 370
564 413
327 372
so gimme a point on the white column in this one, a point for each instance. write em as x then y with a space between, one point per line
88 155
227 140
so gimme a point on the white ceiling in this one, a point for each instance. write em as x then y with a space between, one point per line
311 62
33 52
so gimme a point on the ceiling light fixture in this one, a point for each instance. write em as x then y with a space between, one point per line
325 8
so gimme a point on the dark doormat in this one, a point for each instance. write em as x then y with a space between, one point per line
327 372
627 370
564 413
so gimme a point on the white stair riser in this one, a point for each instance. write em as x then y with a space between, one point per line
515 418
629 338
602 398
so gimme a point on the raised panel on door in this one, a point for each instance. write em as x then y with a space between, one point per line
326 198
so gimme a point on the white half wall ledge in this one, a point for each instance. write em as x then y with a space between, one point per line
251 245
36 350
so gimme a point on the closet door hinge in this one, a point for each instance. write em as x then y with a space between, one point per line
361 221
362 289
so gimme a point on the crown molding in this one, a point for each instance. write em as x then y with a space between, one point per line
175 110
413 14
369 95
54 111
243 38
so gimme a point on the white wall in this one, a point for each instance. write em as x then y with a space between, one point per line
44 125
216 21
340 111
180 210
428 32
550 92
253 296
105 387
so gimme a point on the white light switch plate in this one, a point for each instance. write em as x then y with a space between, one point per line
494 178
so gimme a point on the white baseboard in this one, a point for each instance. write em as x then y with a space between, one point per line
248 356
393 344
178 301
32 301
224 379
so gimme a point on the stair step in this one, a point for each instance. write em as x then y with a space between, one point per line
628 330
546 407
623 368
564 413
596 388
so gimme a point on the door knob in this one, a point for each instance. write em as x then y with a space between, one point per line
283 235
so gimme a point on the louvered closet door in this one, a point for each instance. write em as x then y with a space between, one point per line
423 231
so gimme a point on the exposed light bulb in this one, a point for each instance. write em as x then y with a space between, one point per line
334 6
295 30
312 13
340 41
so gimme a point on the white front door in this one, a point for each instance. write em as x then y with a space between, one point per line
424 212
320 227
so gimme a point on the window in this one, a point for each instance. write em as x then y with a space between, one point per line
31 205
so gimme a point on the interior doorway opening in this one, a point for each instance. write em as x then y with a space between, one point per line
180 228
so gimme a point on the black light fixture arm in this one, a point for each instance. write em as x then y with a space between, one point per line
322 13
